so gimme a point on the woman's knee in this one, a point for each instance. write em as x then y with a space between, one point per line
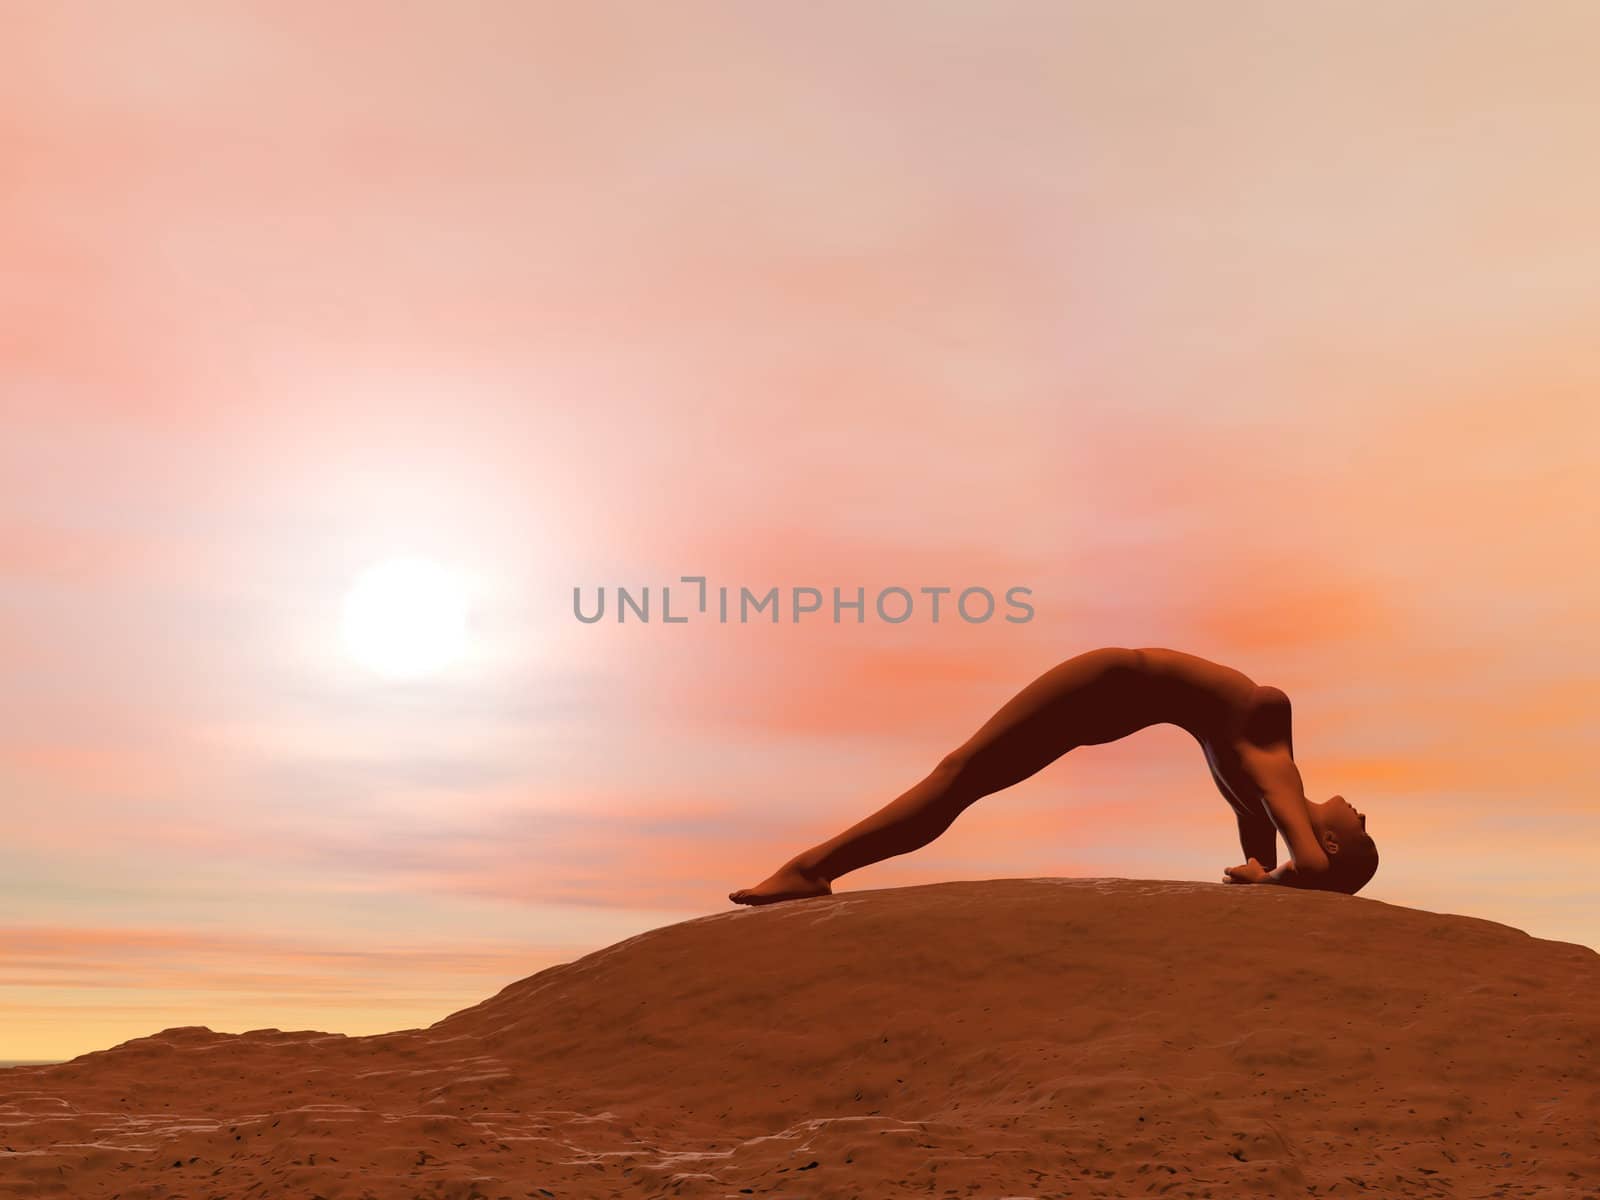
954 765
967 773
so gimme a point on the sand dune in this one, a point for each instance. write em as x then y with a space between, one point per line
1004 1038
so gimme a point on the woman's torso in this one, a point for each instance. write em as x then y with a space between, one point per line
1218 706
1211 702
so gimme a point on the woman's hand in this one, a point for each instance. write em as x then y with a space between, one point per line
1250 872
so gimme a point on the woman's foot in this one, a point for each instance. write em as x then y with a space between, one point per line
786 883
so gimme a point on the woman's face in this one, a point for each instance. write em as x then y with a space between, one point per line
1338 816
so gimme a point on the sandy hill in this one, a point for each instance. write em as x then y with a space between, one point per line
1004 1038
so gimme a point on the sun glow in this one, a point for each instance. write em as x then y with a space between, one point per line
406 617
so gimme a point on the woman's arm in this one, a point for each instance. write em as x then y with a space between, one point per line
1283 793
1288 875
1258 838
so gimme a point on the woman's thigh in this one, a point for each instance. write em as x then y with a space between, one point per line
1091 698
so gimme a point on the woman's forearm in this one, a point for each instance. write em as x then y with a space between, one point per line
1259 840
1290 875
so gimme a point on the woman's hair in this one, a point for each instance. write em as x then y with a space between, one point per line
1353 867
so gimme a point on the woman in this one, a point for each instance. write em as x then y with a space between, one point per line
1100 696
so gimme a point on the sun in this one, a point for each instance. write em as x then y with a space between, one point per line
406 617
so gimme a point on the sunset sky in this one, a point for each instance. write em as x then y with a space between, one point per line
1268 333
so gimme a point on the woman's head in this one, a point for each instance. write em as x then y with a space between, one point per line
1342 833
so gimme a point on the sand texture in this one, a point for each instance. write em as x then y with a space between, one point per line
1001 1038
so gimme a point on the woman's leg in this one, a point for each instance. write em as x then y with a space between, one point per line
1063 708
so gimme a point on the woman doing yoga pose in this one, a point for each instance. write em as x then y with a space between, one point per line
1100 696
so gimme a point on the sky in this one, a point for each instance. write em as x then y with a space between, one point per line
1263 332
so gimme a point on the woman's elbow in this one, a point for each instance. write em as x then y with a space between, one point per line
1313 862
